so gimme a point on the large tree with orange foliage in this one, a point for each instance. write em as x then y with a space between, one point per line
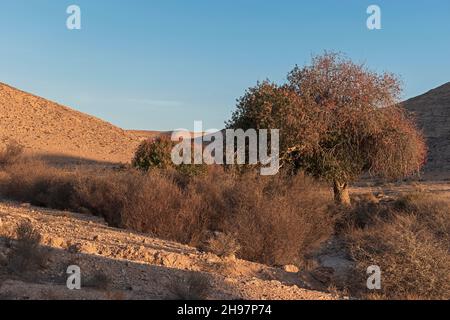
337 121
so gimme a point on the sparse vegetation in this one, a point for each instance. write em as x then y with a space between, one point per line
156 154
26 253
193 286
153 153
338 121
10 153
275 220
223 245
409 240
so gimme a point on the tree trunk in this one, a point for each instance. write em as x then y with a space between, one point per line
341 195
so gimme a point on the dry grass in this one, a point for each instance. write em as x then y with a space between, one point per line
11 153
223 245
26 253
275 220
409 241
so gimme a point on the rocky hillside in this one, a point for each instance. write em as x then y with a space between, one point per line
45 127
118 264
432 111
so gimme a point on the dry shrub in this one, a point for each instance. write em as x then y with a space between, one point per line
193 286
413 263
223 245
160 207
276 220
34 182
11 153
408 240
431 210
26 253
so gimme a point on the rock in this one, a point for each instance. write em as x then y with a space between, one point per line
290 268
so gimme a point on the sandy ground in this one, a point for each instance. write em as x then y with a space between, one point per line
139 267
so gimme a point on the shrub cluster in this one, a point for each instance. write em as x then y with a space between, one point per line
274 220
408 239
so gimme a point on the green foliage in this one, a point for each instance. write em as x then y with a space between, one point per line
156 154
153 153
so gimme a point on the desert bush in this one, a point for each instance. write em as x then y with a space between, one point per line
153 153
34 182
408 240
158 206
430 210
193 286
412 261
223 245
26 253
10 153
276 220
156 154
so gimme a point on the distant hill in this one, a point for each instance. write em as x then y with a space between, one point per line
432 111
149 134
45 127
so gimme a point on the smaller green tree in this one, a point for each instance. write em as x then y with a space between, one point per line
156 154
153 153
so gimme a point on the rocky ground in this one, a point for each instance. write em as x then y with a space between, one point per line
118 264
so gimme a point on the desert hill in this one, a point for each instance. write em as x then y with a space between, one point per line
432 111
45 127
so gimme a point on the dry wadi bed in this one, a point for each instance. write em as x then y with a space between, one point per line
132 265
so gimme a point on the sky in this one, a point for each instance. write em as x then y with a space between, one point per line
162 64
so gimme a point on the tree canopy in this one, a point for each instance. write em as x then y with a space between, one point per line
337 121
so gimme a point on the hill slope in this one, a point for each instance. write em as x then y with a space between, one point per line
432 111
46 127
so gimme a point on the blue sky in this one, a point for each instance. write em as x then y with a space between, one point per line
161 64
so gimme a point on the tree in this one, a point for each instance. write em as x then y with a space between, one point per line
337 121
153 153
156 154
